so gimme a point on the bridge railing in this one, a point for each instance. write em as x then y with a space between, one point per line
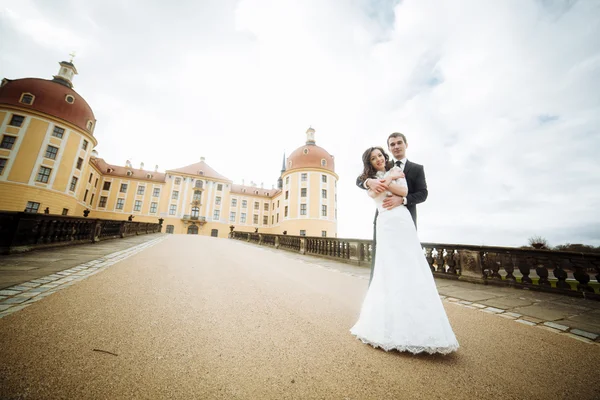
569 273
20 231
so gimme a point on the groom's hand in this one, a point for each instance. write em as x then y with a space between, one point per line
393 202
377 185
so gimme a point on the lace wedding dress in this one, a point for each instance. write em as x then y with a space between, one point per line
402 309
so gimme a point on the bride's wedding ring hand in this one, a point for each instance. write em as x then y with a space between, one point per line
378 185
392 202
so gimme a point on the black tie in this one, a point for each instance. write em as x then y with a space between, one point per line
399 164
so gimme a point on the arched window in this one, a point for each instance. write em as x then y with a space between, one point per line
197 195
27 98
323 162
199 184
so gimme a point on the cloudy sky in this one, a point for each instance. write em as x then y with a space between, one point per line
500 100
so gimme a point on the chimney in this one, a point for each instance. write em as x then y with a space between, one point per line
262 185
156 168
128 164
202 159
242 182
141 165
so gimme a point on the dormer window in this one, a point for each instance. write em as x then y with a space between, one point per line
70 99
149 176
27 98
109 170
305 151
129 173
323 162
290 164
200 172
90 125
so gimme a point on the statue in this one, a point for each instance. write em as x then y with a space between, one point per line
47 210
130 218
86 212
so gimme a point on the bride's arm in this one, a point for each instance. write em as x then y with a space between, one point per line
399 187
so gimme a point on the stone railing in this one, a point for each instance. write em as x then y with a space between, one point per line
20 232
570 273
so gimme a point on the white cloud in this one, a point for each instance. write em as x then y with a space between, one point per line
498 99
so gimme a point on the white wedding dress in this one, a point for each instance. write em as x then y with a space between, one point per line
402 309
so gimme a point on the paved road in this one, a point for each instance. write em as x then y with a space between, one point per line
199 317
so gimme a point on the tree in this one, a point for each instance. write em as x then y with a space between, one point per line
538 242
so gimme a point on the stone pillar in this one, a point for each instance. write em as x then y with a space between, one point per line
302 245
357 254
470 266
276 242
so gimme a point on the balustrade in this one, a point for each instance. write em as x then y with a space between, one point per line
576 274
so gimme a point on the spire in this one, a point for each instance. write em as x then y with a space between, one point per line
283 164
280 180
66 73
310 136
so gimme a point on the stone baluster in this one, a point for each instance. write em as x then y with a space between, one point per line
525 268
439 261
542 271
429 258
583 278
451 261
508 263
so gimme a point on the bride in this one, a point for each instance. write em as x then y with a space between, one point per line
402 309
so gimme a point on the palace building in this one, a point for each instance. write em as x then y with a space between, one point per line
48 165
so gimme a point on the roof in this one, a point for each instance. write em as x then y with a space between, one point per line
250 190
310 156
199 169
117 170
50 98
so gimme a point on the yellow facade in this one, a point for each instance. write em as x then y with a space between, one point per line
60 173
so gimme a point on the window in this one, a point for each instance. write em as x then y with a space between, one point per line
286 211
129 173
58 132
324 210
277 217
323 233
218 200
91 176
324 193
243 218
51 152
32 207
73 184
2 165
303 177
267 206
256 205
324 178
172 209
123 188
255 219
323 162
85 144
65 211
85 195
244 204
137 206
265 220
277 203
231 217
96 183
302 209
272 219
199 184
156 192
303 192
17 120
219 187
233 202
195 212
8 142
102 202
287 180
69 99
287 193
216 215
141 190
175 195
170 228
43 174
302 232
79 163
178 181
106 186
26 98
153 207
92 199
120 204
197 195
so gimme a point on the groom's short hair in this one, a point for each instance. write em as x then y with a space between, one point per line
396 134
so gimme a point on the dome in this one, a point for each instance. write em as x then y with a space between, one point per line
310 156
50 97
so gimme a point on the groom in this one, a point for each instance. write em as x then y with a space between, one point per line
415 178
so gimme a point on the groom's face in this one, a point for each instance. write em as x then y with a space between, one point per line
397 147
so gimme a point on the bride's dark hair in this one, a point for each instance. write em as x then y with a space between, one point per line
368 170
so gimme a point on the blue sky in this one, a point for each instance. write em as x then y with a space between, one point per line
499 100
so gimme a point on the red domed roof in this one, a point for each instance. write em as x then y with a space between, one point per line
50 98
310 156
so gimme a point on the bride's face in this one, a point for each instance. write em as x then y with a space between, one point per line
377 160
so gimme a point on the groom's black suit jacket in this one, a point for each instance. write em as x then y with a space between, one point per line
417 188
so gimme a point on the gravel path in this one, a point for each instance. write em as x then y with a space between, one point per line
203 318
